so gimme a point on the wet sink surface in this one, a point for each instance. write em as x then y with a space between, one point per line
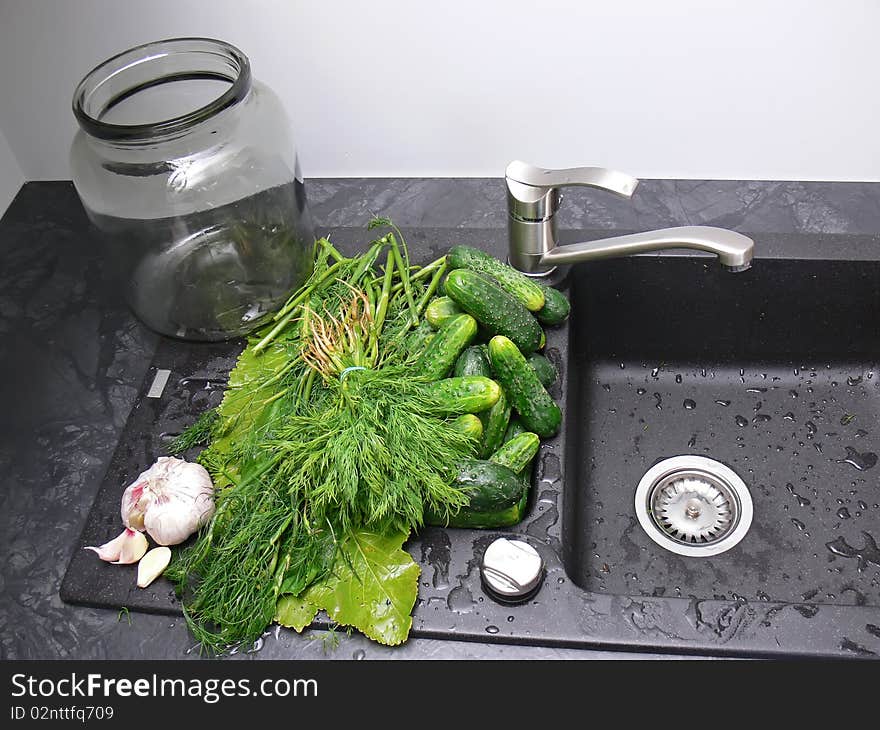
776 373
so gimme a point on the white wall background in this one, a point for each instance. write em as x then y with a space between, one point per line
10 174
756 89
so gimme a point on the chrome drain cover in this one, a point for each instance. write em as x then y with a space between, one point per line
693 505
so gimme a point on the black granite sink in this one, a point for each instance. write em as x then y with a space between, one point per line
661 356
774 372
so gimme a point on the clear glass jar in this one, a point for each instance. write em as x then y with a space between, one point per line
186 165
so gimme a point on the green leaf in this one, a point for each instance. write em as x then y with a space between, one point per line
295 612
373 587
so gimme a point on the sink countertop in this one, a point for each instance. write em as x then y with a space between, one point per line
73 358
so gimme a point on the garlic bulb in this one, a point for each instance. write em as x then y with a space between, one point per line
170 500
126 548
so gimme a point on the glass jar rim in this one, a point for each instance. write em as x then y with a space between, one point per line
238 76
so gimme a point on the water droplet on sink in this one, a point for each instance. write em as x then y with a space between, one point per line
606 387
762 418
359 655
861 433
655 372
797 523
641 391
549 468
678 378
689 404
847 419
460 600
492 629
723 403
788 416
741 421
866 460
843 513
659 403
854 380
756 390
692 441
811 427
870 553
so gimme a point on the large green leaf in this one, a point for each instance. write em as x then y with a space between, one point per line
373 587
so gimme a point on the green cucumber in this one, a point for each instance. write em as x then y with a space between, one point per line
494 494
468 394
518 512
495 422
440 309
520 287
537 410
556 307
417 339
469 425
545 369
493 307
517 453
514 429
443 350
474 360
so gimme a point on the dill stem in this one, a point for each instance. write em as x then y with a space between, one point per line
432 287
280 373
367 261
382 306
331 250
272 399
307 390
286 313
428 269
403 267
304 292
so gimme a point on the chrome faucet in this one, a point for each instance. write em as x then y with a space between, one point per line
533 198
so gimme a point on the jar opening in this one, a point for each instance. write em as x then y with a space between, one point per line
161 88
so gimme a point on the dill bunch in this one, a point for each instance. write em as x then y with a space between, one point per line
376 458
324 430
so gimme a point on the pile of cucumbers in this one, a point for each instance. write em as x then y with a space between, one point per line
480 345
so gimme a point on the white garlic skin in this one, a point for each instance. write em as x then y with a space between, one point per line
128 547
171 500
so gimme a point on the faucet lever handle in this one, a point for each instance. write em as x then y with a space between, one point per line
523 174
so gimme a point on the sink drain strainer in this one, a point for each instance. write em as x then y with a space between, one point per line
693 506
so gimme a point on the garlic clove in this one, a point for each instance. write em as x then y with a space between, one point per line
133 548
152 565
110 551
135 500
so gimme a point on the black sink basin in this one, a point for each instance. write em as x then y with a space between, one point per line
774 372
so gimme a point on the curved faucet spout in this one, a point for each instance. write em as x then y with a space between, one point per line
533 198
734 250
